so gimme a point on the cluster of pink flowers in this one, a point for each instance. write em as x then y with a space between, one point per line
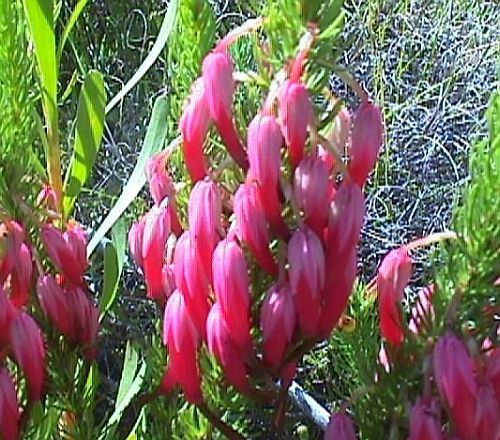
294 218
64 300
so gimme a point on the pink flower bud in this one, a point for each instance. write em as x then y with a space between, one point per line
47 198
307 277
277 321
455 379
326 157
311 190
366 140
135 235
9 407
181 338
168 279
252 225
191 280
204 215
393 276
194 125
27 346
160 182
154 241
296 113
85 317
67 250
487 414
11 238
341 130
340 428
231 286
55 305
422 311
21 277
425 420
493 370
221 345
6 314
219 88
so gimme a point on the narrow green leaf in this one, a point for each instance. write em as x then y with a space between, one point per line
165 31
153 142
114 253
130 361
89 129
79 7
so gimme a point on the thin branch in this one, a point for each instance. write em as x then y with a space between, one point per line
223 427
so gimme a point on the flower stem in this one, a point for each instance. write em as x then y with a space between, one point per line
229 432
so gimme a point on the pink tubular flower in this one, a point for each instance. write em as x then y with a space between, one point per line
222 347
54 303
47 198
307 277
168 279
204 215
311 190
366 140
154 241
341 130
219 88
21 277
9 407
296 113
194 125
422 311
181 338
425 420
135 235
232 291
277 321
392 277
85 319
493 371
340 428
6 314
252 225
487 416
455 379
27 346
11 238
67 250
191 280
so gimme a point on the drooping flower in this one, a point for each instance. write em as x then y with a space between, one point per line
232 291
194 125
311 190
393 276
341 130
9 407
181 338
422 312
493 371
6 315
306 261
54 303
296 113
487 417
252 225
21 277
135 235
455 379
28 349
340 427
425 420
219 88
11 238
85 319
366 140
221 345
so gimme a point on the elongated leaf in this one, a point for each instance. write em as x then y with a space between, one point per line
165 31
79 7
114 253
89 129
153 142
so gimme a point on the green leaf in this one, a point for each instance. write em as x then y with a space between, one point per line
153 142
114 253
79 7
89 129
165 31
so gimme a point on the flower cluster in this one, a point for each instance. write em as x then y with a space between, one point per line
296 219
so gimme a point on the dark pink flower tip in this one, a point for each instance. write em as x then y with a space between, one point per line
11 238
9 407
366 140
252 226
425 420
311 189
296 113
277 321
393 276
21 277
67 250
232 290
194 125
264 149
221 345
340 427
28 349
154 241
306 271
135 236
455 378
181 338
